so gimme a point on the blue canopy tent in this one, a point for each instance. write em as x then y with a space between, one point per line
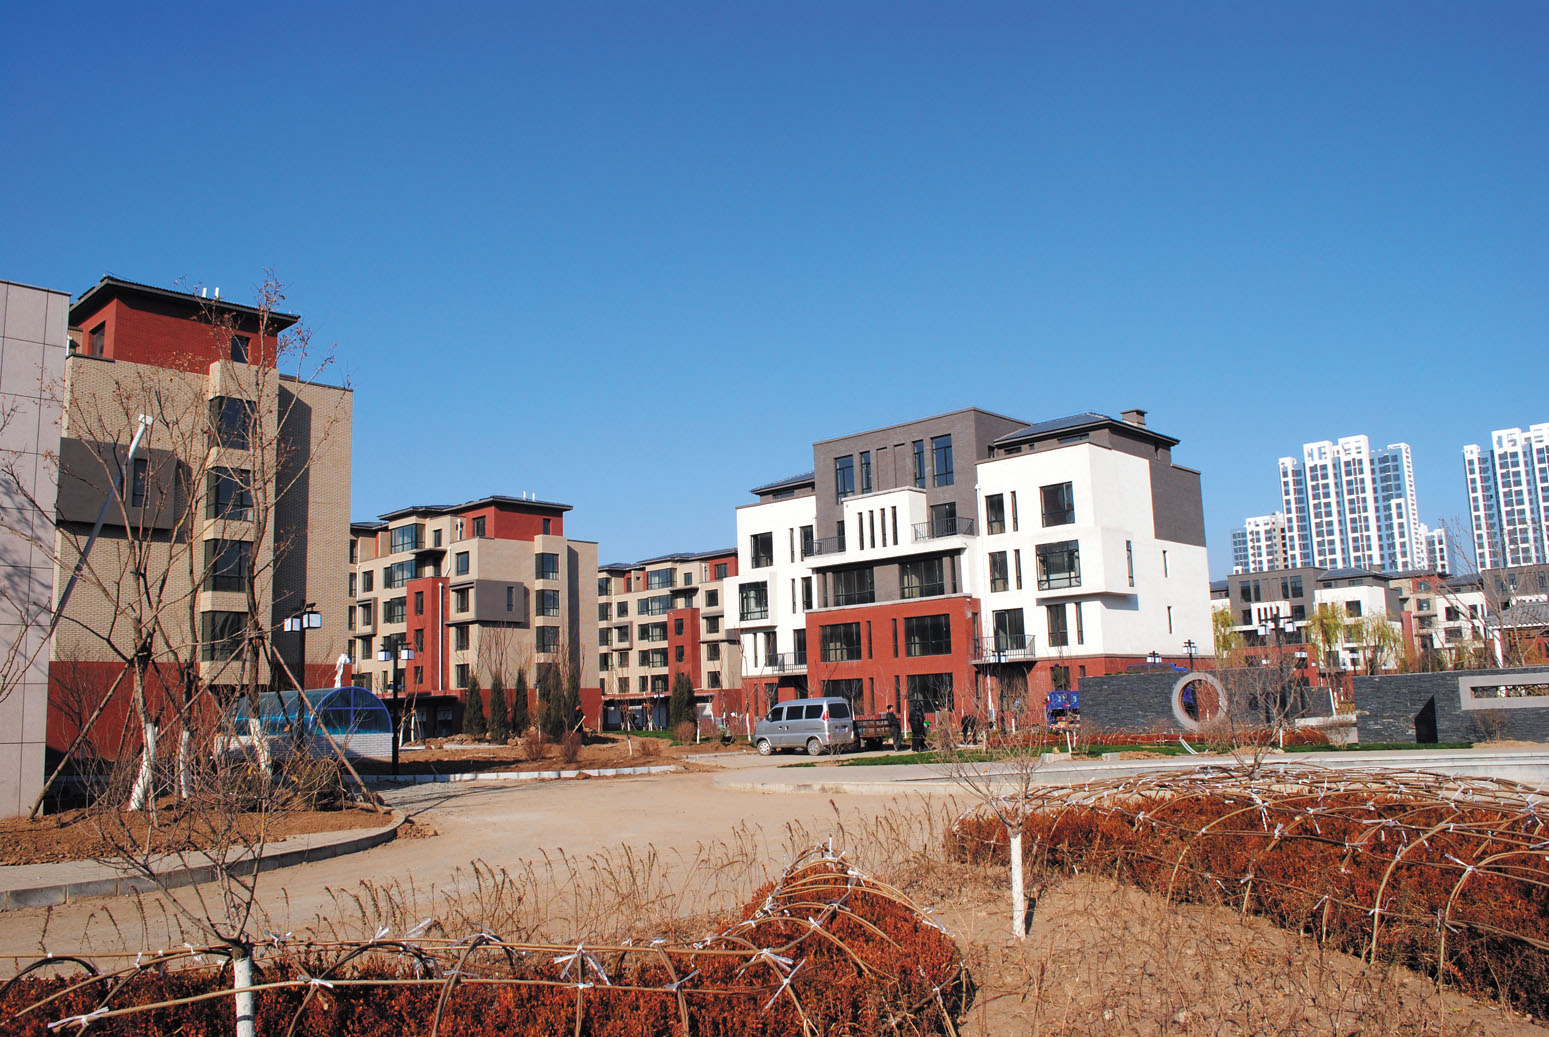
356 719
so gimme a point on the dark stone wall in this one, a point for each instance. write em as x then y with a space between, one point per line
1386 708
1128 702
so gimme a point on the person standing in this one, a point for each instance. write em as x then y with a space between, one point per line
894 728
916 726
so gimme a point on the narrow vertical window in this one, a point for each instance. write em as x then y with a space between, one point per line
1013 511
919 463
1129 560
865 471
1018 555
1081 626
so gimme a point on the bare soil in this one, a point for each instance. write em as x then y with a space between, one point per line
447 757
86 835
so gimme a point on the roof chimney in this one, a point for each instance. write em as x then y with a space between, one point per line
1135 417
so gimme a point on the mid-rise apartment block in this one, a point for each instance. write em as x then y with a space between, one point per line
489 587
1259 545
971 562
1508 497
658 618
1347 506
240 484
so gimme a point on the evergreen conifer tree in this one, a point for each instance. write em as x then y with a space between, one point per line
499 712
551 704
520 721
680 707
473 712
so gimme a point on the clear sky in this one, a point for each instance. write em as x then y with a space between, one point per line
638 257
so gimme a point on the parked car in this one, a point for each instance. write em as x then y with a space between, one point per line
818 725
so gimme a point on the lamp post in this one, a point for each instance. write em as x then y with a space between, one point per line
1190 647
1280 625
403 653
307 619
1154 658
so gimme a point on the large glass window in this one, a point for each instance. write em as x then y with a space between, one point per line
999 574
924 578
395 610
653 631
1059 630
720 570
226 564
841 642
397 574
943 519
653 657
546 565
941 453
658 579
1059 565
844 476
850 689
754 601
995 514
460 566
548 603
1059 504
1009 635
659 605
230 419
761 550
933 691
928 635
229 496
854 586
222 634
548 639
406 538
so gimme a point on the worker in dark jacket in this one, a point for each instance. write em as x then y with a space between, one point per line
916 726
895 728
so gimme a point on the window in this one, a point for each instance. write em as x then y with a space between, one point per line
460 566
96 340
714 678
1059 565
546 565
365 613
806 593
226 564
712 624
1296 587
548 527
840 642
435 538
943 520
1059 504
368 581
865 471
603 660
1298 612
604 586
478 525
922 578
677 628
548 639
406 538
761 550
677 653
229 422
623 609
1059 677
844 476
1059 632
927 635
397 575
995 514
138 477
349 617
419 603
604 612
548 603
419 640
653 631
755 601
653 657
1129 564
720 570
222 634
352 585
655 606
239 345
854 586
354 551
712 599
1013 511
933 691
1353 609
395 610
229 497
459 638
850 689
1009 635
460 675
1081 625
941 452
460 600
659 684
919 463
1016 557
657 579
999 577
801 647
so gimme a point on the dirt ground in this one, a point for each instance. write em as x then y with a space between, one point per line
611 750
557 861
79 834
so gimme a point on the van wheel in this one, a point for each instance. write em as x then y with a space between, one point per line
814 747
764 748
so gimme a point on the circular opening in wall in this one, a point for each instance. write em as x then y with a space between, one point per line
1197 698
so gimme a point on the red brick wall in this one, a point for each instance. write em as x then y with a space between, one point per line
159 337
431 660
689 642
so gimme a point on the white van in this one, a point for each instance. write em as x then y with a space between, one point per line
817 725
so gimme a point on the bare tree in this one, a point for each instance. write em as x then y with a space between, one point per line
1003 786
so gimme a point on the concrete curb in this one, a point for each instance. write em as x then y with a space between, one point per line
593 772
54 894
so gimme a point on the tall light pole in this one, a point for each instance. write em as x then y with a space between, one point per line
307 619
1190 647
403 653
1280 625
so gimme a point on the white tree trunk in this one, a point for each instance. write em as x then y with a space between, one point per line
242 982
185 764
1018 887
255 730
140 793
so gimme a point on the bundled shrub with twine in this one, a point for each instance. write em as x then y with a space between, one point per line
824 949
683 732
570 747
532 744
1448 876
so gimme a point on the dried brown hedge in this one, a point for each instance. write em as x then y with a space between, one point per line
823 950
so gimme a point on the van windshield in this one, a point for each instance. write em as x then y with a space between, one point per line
838 710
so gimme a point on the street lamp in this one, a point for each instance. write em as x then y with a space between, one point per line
307 619
1190 647
1280 625
403 654
1154 658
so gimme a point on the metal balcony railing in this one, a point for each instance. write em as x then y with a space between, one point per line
943 527
785 662
1003 648
823 546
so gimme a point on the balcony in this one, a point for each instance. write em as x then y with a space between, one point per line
825 546
935 529
785 662
1004 648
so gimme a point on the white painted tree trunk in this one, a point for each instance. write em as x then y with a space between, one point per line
255 730
140 793
242 982
185 764
1018 888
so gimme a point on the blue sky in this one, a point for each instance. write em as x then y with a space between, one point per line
638 257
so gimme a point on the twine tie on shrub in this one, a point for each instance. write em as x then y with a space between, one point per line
78 1020
784 984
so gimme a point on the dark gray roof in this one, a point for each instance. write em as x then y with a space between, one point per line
1348 574
110 287
1075 422
680 556
780 484
1522 614
444 509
